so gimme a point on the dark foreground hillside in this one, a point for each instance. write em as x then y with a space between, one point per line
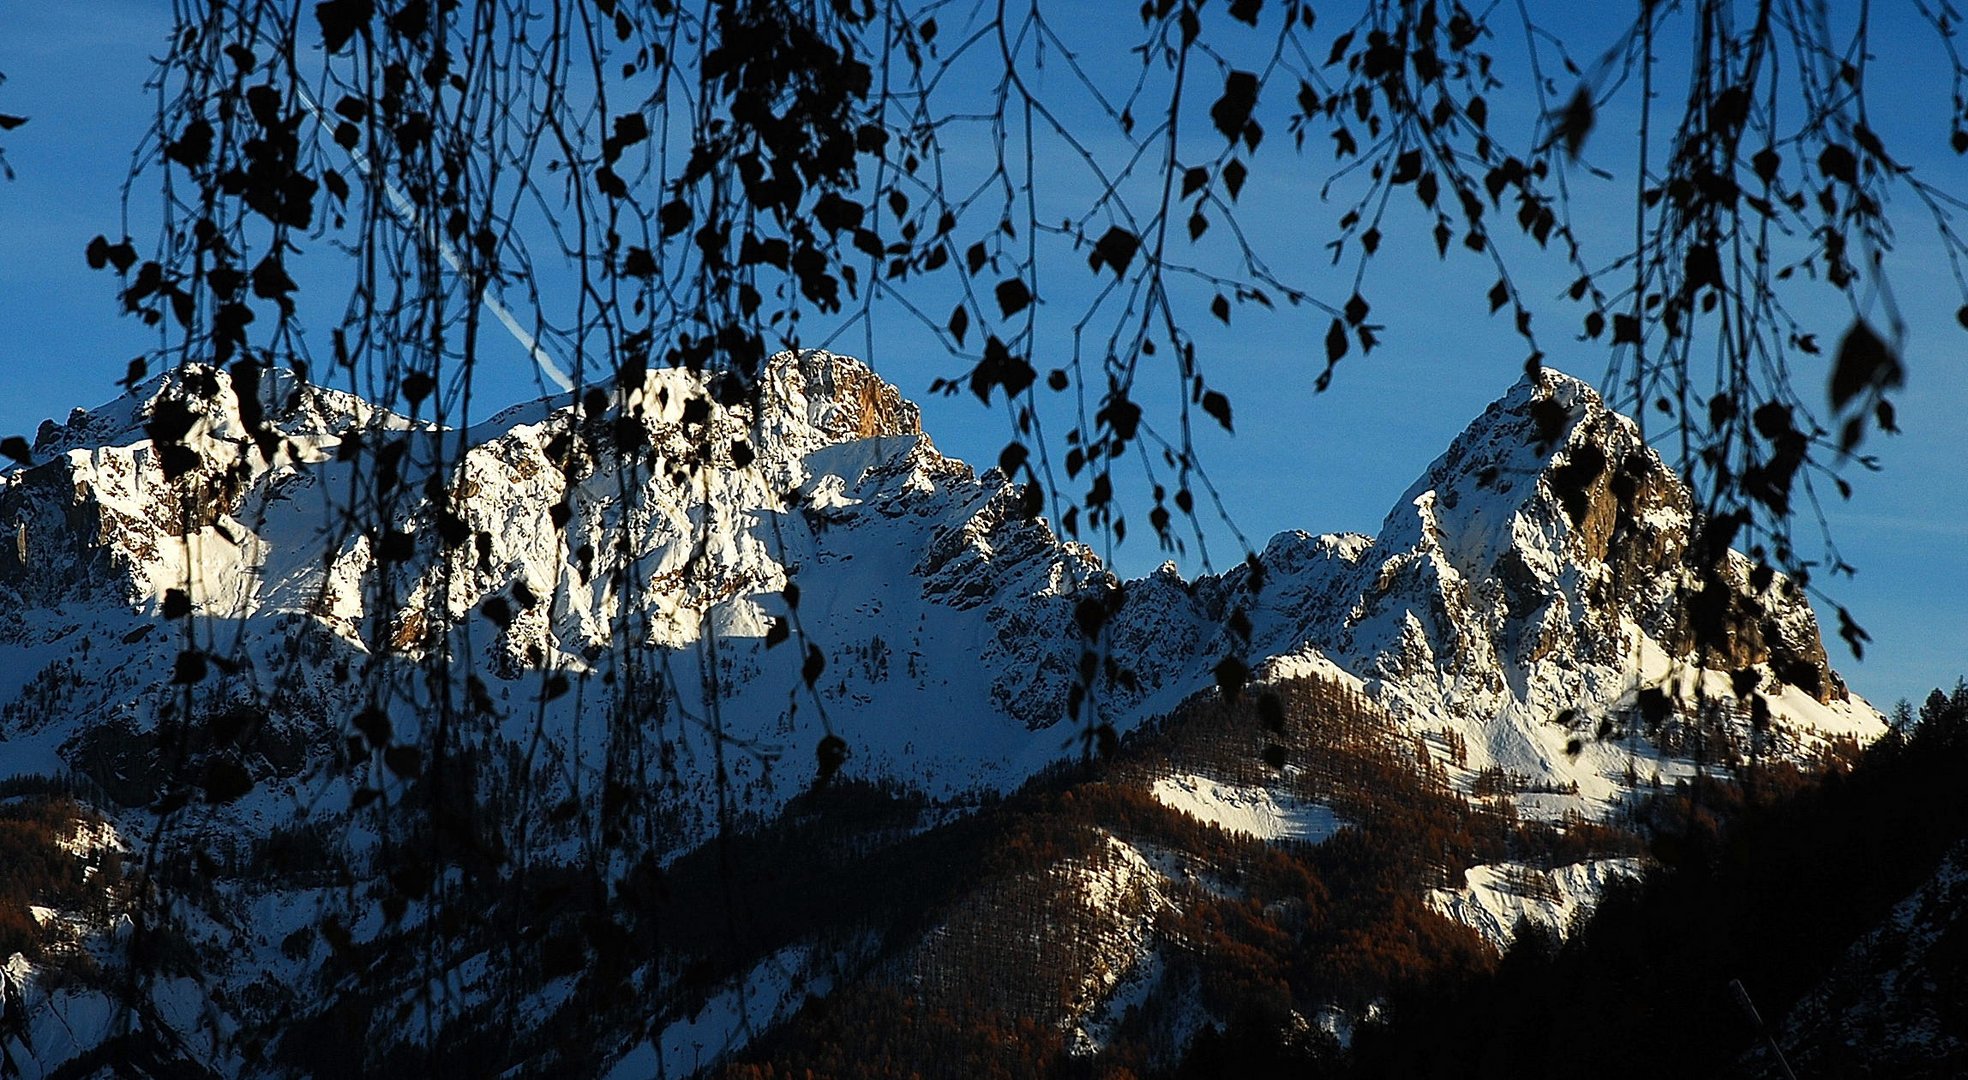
1841 907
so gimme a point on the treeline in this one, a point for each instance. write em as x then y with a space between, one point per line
1769 885
37 867
1043 903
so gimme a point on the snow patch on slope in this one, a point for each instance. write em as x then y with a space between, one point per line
1246 808
771 992
1497 896
1123 889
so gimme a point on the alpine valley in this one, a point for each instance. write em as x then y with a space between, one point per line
669 729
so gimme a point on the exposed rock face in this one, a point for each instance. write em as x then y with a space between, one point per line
840 399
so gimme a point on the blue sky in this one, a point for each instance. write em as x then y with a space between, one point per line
1319 462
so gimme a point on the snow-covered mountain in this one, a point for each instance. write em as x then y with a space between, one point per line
621 625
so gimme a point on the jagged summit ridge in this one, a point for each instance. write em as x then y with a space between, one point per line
1531 571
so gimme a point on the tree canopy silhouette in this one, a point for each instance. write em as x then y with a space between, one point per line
373 195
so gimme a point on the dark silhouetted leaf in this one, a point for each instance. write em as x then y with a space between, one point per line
121 256
1744 681
1864 363
189 669
1765 163
1013 296
1854 634
340 19
396 546
375 726
1339 46
1407 167
405 761
829 756
1572 481
640 262
1231 674
1654 705
1031 502
554 686
1000 368
1234 174
1550 419
1335 341
1115 248
1773 420
836 214
417 386
1575 123
674 217
1271 712
1805 676
1701 267
1839 163
1233 110
225 780
193 146
1721 410
1218 407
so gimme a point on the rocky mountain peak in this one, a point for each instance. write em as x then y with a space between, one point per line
838 397
1547 542
1547 465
